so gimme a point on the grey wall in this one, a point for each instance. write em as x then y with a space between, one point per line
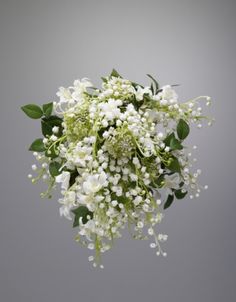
45 44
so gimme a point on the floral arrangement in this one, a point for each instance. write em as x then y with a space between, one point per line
119 154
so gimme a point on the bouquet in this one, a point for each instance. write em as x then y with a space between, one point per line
119 155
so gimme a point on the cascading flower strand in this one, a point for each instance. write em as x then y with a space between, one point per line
119 155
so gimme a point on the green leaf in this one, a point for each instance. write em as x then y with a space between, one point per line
155 82
181 184
168 139
114 73
37 145
53 120
132 185
136 84
152 88
104 79
175 144
54 168
83 212
48 123
179 194
172 142
32 111
47 109
182 129
46 128
73 176
169 201
174 165
122 199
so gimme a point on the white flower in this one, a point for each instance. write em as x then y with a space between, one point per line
172 181
94 183
168 93
89 200
54 138
150 231
64 179
80 86
140 225
137 200
162 237
34 167
67 203
110 109
64 94
148 144
141 91
81 155
55 129
87 228
65 211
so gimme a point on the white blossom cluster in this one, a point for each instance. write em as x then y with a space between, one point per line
119 155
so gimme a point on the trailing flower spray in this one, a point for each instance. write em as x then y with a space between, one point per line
119 155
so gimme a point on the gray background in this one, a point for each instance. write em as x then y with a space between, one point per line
45 44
